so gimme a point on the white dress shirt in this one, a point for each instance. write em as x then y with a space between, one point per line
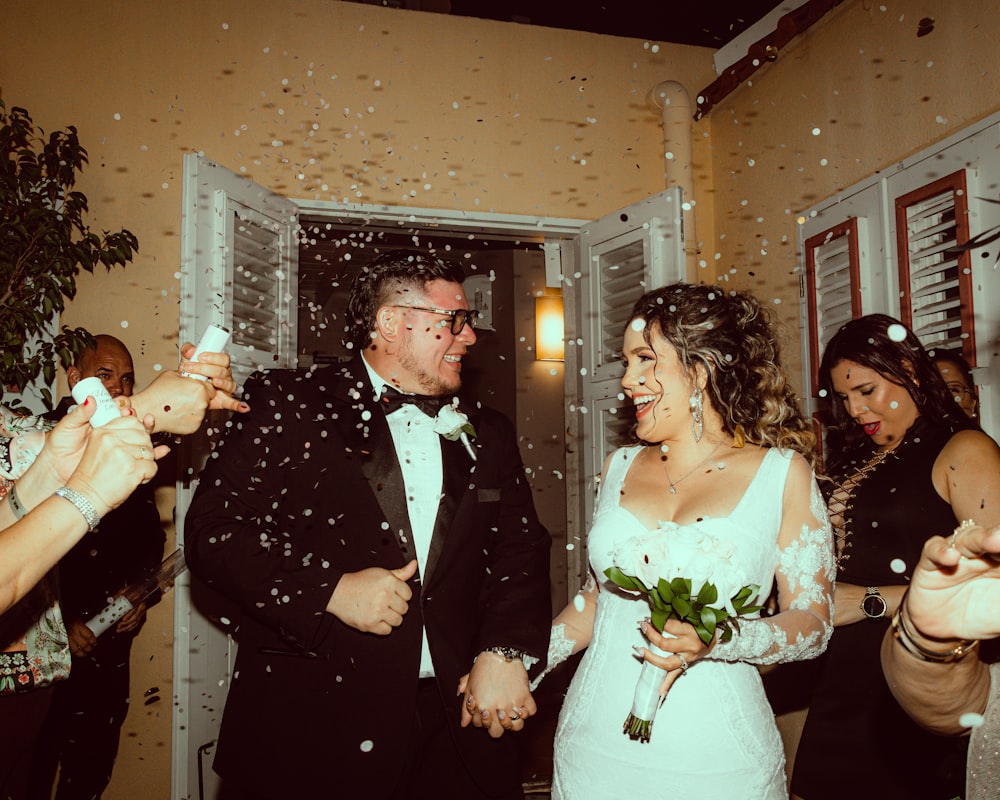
418 449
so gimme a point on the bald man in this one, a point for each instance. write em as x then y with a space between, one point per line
82 730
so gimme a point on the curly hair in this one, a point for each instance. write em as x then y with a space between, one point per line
382 281
883 344
732 336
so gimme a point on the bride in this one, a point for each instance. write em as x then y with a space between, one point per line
723 451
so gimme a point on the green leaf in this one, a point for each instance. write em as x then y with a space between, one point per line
626 582
658 619
708 594
682 607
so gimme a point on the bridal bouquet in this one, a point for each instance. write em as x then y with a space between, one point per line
665 566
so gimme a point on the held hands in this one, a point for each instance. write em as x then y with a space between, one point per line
373 600
683 645
497 696
955 590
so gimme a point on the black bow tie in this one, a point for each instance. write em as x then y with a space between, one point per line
392 399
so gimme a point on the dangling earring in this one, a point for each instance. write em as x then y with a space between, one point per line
697 414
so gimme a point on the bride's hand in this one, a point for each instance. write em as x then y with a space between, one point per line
681 642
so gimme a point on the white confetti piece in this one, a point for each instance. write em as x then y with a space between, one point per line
896 332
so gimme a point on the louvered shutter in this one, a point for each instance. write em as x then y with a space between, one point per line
935 283
834 286
620 257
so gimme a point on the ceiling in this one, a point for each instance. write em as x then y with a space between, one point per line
706 23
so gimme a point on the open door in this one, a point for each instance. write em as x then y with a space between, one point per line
618 258
239 271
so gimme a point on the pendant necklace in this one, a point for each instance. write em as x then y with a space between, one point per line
673 483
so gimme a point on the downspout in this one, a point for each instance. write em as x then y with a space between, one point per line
675 105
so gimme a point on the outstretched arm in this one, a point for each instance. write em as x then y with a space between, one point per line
804 577
952 599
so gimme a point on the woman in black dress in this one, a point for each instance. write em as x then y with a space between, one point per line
905 463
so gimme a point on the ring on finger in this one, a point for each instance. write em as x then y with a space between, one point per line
684 662
966 525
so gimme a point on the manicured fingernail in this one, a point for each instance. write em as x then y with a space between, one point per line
86 402
501 716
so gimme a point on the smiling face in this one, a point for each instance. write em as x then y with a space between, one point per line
111 362
884 409
657 384
426 357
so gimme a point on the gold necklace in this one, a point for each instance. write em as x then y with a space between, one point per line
673 483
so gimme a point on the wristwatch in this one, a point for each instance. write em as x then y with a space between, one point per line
873 605
508 654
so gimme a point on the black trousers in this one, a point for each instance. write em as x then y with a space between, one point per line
433 770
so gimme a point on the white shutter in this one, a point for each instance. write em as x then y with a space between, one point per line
619 258
936 283
833 284
240 266
240 271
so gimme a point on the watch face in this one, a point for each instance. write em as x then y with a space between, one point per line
874 606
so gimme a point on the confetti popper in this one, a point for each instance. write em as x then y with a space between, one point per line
161 579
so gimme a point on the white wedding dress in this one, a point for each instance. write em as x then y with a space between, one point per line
714 737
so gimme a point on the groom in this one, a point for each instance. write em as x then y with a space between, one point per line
378 554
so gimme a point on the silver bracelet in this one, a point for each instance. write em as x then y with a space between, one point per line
82 504
16 505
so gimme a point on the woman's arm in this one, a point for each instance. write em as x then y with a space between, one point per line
953 598
847 599
117 458
804 578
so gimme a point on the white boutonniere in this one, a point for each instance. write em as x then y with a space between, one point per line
452 424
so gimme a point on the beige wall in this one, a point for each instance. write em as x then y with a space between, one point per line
875 91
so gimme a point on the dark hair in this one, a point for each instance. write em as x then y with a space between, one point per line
732 336
897 356
382 281
939 354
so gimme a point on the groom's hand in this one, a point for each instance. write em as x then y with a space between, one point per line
373 600
497 696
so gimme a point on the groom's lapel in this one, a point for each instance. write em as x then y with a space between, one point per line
366 432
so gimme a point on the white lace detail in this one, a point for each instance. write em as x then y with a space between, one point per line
804 564
560 648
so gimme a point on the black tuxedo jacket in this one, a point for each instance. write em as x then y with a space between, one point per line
307 487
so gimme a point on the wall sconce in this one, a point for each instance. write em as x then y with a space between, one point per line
549 331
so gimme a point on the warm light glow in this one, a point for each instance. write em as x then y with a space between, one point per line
549 344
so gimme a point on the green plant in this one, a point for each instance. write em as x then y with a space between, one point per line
44 242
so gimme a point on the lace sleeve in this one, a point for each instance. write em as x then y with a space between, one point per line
567 637
804 575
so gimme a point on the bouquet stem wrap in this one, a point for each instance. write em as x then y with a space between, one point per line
647 698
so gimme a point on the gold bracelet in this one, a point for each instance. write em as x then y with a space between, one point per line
904 636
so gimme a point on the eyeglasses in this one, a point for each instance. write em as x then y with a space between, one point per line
959 389
459 316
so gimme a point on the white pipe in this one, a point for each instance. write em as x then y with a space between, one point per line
675 105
